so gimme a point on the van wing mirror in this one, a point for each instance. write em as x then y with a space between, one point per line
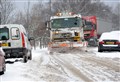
31 38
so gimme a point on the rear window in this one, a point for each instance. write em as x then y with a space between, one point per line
15 33
4 33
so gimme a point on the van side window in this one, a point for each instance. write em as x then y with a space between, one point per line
15 33
4 33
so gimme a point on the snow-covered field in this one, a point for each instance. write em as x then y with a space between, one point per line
75 66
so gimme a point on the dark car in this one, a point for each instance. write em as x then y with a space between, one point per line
2 61
109 41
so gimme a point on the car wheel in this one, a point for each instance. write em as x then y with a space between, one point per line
99 50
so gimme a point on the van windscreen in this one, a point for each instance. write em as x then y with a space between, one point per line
4 33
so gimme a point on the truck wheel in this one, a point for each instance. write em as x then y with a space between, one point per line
25 59
92 42
95 43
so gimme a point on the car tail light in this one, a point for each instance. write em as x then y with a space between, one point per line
117 42
23 40
101 42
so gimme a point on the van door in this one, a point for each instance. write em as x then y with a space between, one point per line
15 37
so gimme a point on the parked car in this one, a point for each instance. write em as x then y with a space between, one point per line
2 61
15 42
109 41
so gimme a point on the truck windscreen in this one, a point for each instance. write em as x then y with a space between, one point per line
66 22
88 26
4 33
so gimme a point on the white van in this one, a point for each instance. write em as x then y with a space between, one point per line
15 42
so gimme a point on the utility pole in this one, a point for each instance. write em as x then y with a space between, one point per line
119 16
28 17
50 7
0 17
0 13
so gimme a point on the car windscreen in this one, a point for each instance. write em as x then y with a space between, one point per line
4 33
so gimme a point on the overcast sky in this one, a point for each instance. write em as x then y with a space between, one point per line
111 2
22 3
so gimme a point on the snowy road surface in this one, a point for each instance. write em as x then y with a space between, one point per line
75 66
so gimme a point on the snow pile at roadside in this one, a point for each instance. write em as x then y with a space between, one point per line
17 71
40 69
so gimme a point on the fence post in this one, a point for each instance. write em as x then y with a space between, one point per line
34 45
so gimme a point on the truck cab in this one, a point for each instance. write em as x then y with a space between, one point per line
90 30
66 31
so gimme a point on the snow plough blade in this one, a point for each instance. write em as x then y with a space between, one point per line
66 46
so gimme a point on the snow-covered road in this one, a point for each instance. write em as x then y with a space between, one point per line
75 66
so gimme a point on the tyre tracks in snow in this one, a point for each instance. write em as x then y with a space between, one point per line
86 59
102 61
106 67
72 69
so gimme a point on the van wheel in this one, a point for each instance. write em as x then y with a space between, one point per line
2 72
24 59
30 57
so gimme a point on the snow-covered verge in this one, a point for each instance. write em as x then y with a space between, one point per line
75 66
40 68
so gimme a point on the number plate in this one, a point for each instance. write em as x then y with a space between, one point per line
109 42
4 44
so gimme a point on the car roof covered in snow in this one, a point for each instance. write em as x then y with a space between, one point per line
114 35
115 31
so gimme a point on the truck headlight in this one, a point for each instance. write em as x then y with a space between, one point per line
56 32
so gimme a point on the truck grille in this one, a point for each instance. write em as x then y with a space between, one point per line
62 37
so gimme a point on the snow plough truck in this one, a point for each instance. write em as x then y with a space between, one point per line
66 32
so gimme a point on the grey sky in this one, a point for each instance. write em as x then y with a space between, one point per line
22 3
111 2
